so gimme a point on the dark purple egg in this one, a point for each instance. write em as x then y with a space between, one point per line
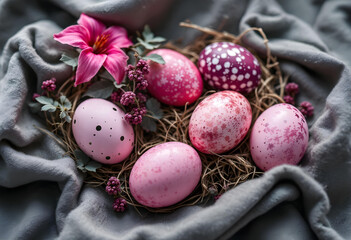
225 65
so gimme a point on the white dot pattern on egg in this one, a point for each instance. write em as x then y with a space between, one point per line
230 66
101 131
175 83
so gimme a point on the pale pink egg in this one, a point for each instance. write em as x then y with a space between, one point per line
175 83
220 122
101 131
165 174
279 136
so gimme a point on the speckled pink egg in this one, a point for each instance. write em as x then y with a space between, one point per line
165 174
175 83
226 65
101 131
279 136
220 122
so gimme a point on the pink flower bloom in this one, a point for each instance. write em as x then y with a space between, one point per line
100 47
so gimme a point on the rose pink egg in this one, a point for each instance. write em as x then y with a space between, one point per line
175 83
226 65
220 122
279 136
101 131
165 174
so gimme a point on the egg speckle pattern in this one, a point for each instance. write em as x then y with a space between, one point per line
100 131
176 82
165 174
279 136
226 65
220 122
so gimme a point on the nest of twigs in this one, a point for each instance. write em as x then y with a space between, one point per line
220 172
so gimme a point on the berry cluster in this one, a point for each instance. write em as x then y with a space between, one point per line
119 205
306 109
135 116
127 98
49 85
113 187
291 89
134 99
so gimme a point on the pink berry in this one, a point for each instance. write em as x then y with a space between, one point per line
49 85
289 99
292 89
127 98
306 108
120 205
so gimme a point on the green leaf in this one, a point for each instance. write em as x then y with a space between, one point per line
140 50
106 75
118 86
63 114
157 40
56 103
70 58
92 166
154 107
82 159
44 100
65 102
49 108
68 118
101 89
147 45
147 34
149 124
155 58
34 107
82 168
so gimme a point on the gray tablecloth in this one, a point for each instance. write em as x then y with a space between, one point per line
41 192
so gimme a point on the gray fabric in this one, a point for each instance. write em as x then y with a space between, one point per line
42 193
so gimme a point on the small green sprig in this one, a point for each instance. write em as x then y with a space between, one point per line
84 163
51 105
148 41
154 112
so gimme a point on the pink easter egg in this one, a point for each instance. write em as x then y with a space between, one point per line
220 122
225 65
101 131
165 174
279 136
177 82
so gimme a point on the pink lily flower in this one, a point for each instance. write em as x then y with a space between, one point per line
100 46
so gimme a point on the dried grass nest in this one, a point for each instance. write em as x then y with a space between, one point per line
220 172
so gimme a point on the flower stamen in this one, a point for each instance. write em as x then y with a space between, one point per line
100 42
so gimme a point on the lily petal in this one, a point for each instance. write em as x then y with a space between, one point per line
93 26
118 37
88 65
76 36
116 63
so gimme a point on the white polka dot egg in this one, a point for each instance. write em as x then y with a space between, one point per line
226 65
101 131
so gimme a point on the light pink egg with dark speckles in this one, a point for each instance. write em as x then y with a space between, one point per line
279 136
101 131
165 174
220 122
175 83
228 66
